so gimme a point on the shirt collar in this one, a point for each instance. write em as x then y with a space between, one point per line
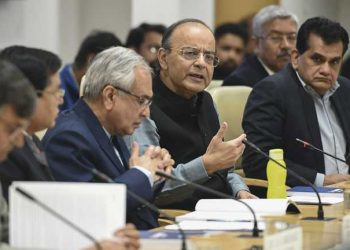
268 70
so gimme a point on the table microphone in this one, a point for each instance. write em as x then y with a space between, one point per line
312 147
320 213
58 216
255 230
141 200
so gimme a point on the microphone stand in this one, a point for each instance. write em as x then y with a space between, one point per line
152 207
320 213
214 192
58 216
312 147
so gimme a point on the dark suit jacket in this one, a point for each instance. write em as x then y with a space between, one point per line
77 142
248 73
278 111
21 165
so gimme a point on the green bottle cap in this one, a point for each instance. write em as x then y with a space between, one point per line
276 153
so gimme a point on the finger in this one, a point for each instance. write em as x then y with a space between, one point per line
149 151
134 150
222 130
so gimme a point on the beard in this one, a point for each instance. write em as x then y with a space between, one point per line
224 69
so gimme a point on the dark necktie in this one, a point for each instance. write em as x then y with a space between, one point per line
122 150
39 155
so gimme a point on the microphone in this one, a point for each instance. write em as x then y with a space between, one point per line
312 147
320 213
58 216
214 192
143 201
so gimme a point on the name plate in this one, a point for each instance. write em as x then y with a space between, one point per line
346 230
288 239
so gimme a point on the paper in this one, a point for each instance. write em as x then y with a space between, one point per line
314 200
97 208
215 225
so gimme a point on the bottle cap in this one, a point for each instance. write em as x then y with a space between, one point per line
276 154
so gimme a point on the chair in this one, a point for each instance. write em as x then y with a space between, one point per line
230 102
172 213
214 84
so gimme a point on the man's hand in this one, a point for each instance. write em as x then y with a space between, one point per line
154 158
220 154
130 237
335 178
243 194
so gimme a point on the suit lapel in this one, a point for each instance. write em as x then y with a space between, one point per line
84 112
310 116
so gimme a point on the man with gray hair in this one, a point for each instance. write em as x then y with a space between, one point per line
117 95
274 34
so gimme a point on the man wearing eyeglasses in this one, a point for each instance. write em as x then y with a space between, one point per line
117 95
274 33
184 120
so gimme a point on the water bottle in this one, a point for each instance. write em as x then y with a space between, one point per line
276 175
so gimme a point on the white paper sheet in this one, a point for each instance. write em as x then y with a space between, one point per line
97 208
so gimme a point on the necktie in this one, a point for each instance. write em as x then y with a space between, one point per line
122 150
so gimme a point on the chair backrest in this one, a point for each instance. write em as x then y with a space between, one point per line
230 102
214 84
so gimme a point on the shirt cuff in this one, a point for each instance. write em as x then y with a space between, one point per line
319 180
147 173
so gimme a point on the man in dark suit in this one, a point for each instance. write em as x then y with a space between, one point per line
29 162
305 100
274 33
117 96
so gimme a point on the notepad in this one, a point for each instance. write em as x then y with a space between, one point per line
308 191
97 208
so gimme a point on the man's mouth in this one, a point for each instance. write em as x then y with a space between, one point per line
196 76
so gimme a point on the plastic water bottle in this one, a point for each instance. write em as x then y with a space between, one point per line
276 176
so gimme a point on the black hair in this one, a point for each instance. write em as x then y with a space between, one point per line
169 31
16 90
51 61
330 32
231 28
94 43
33 69
137 35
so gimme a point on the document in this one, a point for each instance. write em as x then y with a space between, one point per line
228 210
97 208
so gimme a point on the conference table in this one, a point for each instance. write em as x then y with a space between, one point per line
316 234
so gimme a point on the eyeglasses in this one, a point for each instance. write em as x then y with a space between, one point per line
278 38
143 101
58 93
193 54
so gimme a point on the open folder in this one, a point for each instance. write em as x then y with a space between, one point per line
97 208
227 210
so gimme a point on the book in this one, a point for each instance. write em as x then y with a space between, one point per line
97 208
228 210
312 200
307 191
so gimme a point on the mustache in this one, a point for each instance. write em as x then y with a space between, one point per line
284 53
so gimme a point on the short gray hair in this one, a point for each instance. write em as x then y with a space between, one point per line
114 66
269 14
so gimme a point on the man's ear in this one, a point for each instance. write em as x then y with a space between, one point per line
162 58
108 97
294 56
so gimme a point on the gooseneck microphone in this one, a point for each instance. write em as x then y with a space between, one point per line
143 201
255 230
312 147
320 213
58 216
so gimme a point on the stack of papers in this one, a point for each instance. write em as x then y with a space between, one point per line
228 214
305 195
